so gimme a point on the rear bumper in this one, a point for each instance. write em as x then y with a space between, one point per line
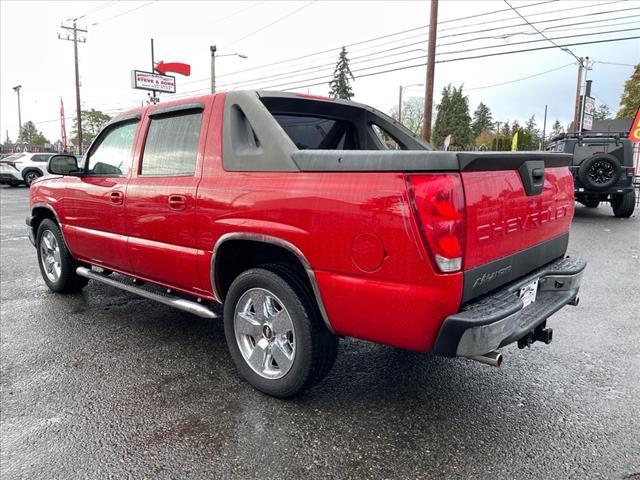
9 177
500 318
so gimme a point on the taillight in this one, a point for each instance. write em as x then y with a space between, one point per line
630 171
438 200
12 164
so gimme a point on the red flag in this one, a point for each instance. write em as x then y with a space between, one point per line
63 128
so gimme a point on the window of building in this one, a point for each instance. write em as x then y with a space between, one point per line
171 147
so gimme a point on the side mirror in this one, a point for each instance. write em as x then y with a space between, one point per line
63 165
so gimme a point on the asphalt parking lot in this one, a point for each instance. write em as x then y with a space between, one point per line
104 384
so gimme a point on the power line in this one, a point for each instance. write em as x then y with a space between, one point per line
100 22
542 34
272 23
614 63
306 57
519 79
281 77
461 59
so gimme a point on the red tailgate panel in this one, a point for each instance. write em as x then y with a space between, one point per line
502 219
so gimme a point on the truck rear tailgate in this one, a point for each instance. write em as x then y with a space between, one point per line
515 223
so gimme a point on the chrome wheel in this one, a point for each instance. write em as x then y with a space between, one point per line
264 333
50 255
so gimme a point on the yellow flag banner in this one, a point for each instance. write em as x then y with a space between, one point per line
514 142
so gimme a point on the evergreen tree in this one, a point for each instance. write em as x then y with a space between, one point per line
506 129
630 99
602 112
556 129
515 126
340 86
481 120
533 134
453 118
30 134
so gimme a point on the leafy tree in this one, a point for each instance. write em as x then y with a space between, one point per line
453 118
602 112
481 120
556 129
92 122
630 99
502 128
412 113
340 86
30 134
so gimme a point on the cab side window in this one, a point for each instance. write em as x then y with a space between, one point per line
112 157
171 148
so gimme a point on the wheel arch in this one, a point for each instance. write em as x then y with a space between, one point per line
31 169
257 249
39 212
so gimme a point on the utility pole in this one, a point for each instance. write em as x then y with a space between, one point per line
431 57
152 97
17 90
576 111
74 38
400 104
544 128
213 68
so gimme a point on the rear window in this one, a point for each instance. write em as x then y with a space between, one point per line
319 133
13 157
171 147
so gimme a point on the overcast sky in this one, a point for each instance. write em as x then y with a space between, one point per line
267 32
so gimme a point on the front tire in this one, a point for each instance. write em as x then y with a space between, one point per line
57 266
31 176
274 332
623 204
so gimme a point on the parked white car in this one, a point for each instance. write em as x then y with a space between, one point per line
23 168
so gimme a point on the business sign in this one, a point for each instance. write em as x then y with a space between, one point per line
587 122
634 132
589 105
153 81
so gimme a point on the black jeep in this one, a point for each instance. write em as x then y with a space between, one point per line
602 168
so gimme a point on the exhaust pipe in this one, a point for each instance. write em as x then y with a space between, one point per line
492 358
575 301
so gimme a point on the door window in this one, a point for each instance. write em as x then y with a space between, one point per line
171 148
111 157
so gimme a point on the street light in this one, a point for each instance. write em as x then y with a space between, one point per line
213 50
17 90
400 98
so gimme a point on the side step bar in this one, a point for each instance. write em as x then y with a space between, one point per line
175 302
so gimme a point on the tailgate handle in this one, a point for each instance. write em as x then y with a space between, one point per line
532 176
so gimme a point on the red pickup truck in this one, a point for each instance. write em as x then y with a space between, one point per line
301 219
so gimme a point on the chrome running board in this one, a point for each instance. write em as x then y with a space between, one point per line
175 302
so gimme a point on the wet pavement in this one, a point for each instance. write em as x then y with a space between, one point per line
104 384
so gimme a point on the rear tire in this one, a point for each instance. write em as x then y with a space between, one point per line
255 309
57 266
623 204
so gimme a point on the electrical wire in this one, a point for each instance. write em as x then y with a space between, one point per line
270 24
508 82
423 64
100 22
417 58
567 50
